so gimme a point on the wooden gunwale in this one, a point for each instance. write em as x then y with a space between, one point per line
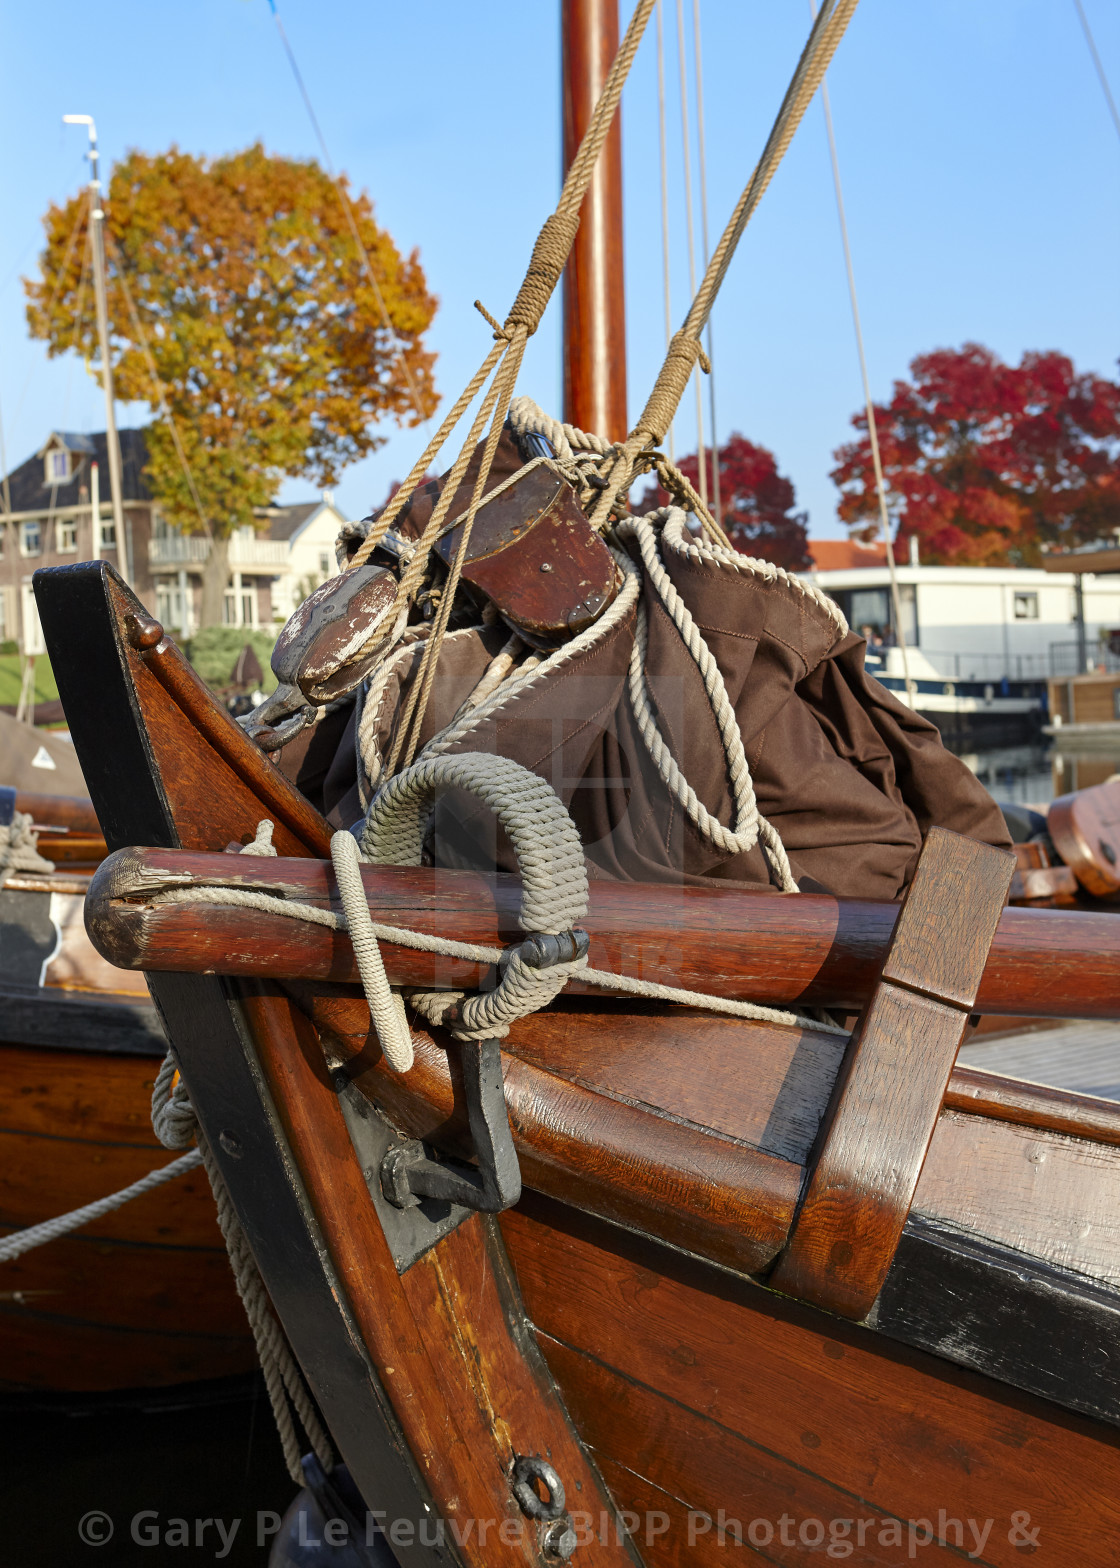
779 949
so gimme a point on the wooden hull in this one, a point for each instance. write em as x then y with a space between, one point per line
665 1157
710 1401
143 1298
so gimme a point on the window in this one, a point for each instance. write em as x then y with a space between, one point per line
67 536
3 538
324 564
58 466
869 612
108 536
1026 607
31 538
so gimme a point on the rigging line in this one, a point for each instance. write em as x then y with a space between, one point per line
690 230
78 221
664 196
872 425
163 405
422 415
1099 65
703 172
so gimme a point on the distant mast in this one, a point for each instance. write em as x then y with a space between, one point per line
594 291
97 246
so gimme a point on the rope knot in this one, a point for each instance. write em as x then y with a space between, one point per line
681 356
550 254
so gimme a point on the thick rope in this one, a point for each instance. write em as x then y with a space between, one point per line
19 848
550 860
22 1241
550 254
749 824
176 1125
684 349
386 1009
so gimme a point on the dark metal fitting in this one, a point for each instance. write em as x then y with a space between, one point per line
396 1168
542 950
559 1540
409 1174
231 1143
530 1471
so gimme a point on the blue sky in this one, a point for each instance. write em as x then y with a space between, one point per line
981 172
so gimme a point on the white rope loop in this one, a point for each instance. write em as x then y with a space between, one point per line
386 1009
749 825
544 837
549 857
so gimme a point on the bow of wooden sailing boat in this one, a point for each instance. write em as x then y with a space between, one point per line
664 1153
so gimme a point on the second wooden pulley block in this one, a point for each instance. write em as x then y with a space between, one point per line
337 635
535 557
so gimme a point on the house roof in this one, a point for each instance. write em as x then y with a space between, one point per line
846 555
30 491
285 522
72 440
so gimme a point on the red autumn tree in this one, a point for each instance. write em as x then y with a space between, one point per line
985 462
756 503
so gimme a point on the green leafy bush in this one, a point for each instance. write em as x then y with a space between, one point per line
214 649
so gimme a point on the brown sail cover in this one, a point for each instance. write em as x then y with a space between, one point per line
851 778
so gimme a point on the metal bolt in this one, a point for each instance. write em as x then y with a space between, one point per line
546 566
559 1540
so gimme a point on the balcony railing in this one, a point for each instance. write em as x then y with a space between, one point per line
176 550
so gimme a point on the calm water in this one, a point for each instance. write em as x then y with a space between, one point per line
1035 775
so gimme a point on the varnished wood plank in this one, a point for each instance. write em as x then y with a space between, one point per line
715 1495
692 1189
145 1295
981 1093
885 1422
894 1078
774 948
463 1408
1053 1197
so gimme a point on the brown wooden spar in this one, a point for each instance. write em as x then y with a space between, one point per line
594 293
780 949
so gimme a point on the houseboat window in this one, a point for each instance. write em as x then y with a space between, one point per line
869 612
67 537
1026 607
108 536
58 466
31 538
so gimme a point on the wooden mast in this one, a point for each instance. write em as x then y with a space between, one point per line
594 292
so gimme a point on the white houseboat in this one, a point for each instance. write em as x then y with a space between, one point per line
982 641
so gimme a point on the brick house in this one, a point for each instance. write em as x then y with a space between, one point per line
50 523
46 519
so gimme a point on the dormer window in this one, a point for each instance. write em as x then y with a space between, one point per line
58 465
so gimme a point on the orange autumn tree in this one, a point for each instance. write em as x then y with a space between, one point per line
263 330
985 463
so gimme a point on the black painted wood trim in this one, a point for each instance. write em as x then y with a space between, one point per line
1044 1329
73 1021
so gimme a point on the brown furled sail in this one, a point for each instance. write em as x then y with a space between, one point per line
664 1154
